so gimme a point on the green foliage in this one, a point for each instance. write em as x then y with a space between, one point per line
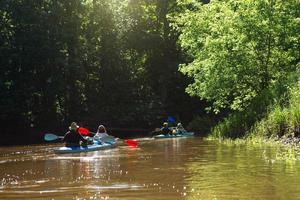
295 107
202 124
280 120
274 124
267 114
233 126
238 48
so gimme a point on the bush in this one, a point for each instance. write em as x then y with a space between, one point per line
294 121
281 120
202 124
274 113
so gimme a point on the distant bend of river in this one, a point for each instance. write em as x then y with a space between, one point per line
181 168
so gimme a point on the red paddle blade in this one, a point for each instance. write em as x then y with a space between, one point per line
132 143
83 131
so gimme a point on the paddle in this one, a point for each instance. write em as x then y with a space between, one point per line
84 131
107 139
51 137
156 131
81 130
131 143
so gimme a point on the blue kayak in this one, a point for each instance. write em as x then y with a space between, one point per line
93 147
186 134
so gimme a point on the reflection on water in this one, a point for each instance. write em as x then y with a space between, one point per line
238 172
178 168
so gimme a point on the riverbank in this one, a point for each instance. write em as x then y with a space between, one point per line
272 119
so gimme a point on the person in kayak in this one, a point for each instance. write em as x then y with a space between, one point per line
101 133
180 129
72 138
165 129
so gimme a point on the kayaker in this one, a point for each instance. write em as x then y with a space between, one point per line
72 138
101 133
165 129
180 129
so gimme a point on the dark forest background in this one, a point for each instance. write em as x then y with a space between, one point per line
113 62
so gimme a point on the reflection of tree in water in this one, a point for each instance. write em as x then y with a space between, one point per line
231 172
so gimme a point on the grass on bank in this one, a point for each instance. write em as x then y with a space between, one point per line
272 119
277 117
281 120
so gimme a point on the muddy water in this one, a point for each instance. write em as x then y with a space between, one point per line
182 168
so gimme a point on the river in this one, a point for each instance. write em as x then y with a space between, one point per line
182 168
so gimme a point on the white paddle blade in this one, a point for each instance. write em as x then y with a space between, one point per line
51 137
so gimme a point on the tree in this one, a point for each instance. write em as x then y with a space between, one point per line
238 48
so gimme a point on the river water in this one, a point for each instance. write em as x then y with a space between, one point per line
182 168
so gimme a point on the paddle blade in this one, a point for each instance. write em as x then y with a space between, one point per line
131 143
83 131
171 119
50 137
